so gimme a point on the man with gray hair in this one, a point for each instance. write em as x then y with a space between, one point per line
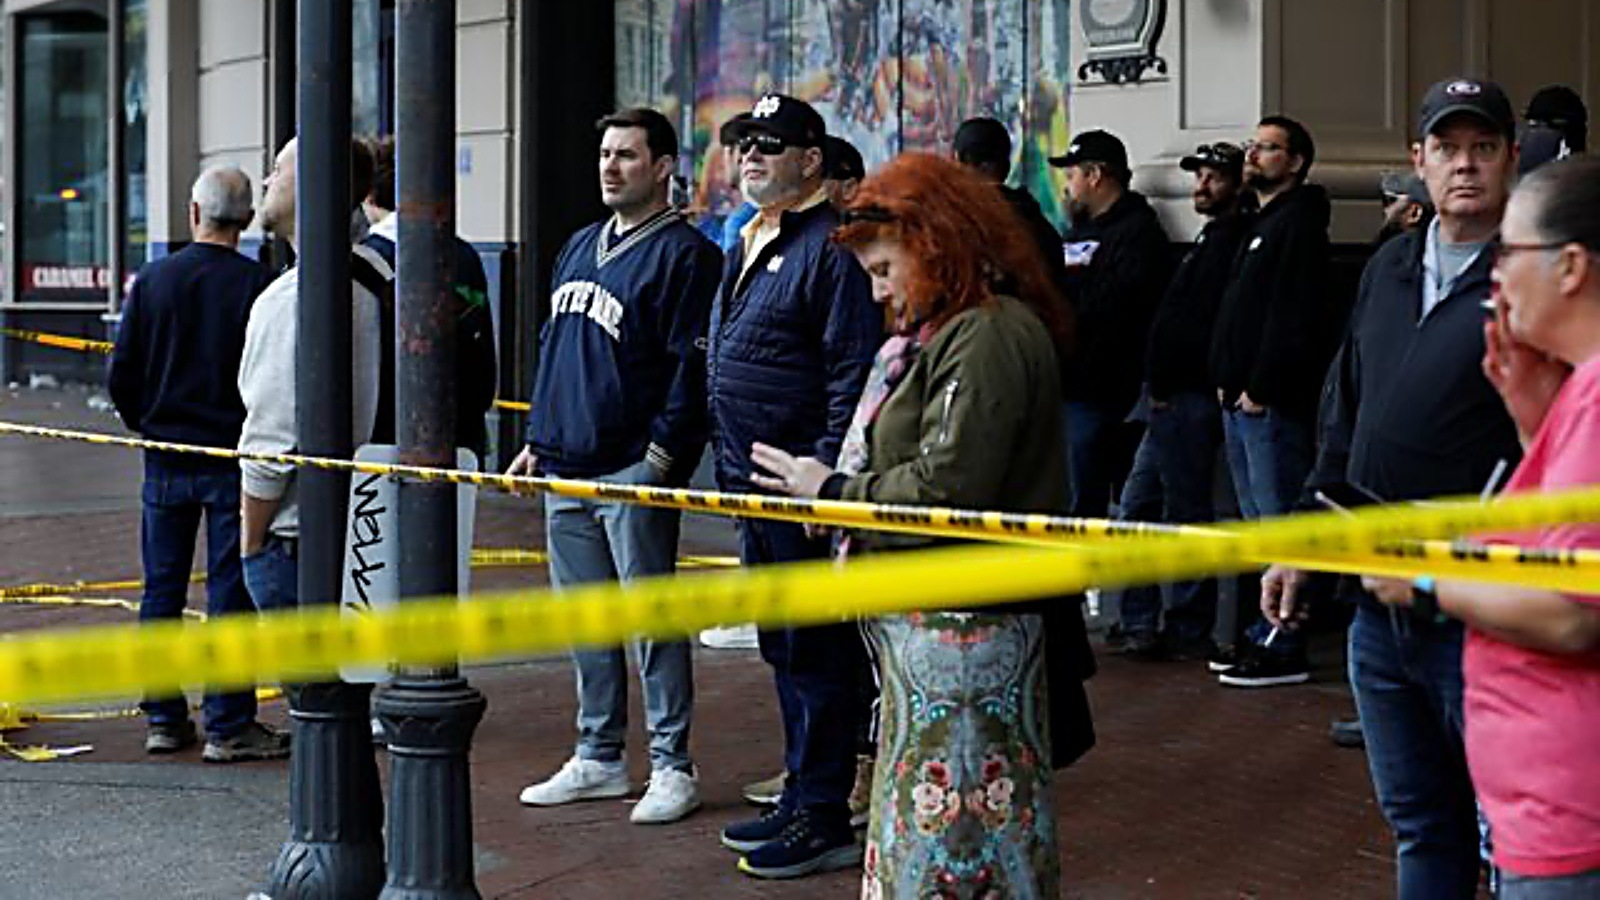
173 378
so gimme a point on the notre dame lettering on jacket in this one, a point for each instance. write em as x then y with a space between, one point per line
621 361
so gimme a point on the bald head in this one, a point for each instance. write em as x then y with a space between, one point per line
220 205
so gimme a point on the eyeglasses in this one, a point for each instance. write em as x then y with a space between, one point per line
765 144
1262 147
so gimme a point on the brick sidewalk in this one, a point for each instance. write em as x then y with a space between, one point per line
1193 791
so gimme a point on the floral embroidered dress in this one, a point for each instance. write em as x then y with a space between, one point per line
961 802
961 794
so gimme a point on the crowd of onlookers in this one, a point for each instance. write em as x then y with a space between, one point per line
923 334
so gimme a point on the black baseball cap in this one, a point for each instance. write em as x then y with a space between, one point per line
841 160
1471 96
1222 156
1094 146
728 135
982 139
1557 104
795 122
1405 184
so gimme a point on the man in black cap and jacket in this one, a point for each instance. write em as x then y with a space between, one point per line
1274 336
1118 263
1408 414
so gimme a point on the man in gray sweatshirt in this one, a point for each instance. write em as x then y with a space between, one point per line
270 524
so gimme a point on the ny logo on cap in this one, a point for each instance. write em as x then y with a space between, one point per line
1072 148
767 106
1463 89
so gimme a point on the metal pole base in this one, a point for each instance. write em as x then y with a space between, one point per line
335 846
429 723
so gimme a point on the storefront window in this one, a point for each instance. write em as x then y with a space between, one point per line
135 106
62 154
63 180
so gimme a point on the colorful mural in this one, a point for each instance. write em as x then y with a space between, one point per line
888 75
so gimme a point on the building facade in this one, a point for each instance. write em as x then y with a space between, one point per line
208 81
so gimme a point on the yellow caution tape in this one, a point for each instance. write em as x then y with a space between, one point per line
85 345
1561 571
65 342
296 645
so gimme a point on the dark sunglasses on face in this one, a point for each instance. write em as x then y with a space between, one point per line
765 144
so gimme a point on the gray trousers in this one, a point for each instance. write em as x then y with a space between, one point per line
592 541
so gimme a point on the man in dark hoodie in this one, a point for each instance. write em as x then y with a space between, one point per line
1173 470
619 396
1118 264
1269 351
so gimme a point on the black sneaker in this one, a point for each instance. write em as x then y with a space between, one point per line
1140 645
1224 659
805 848
1268 670
742 837
170 737
253 742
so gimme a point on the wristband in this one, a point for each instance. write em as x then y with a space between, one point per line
1425 601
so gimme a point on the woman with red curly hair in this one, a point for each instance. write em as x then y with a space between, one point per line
962 409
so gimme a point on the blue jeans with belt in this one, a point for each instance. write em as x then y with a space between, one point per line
1407 680
177 494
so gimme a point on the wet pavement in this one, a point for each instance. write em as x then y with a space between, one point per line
1194 790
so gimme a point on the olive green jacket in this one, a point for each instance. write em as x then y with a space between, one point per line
975 424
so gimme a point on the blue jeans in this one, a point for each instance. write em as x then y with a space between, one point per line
1171 482
1269 457
1583 886
817 672
1100 450
273 574
176 494
594 541
1407 681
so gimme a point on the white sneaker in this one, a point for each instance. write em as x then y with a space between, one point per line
672 794
731 637
579 779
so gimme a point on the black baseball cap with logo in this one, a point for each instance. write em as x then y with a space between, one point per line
1094 146
1470 96
795 122
1222 156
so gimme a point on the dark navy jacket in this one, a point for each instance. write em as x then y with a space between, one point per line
792 340
1406 410
621 364
477 369
175 372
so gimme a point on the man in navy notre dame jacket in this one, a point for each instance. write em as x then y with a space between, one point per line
174 377
793 334
619 396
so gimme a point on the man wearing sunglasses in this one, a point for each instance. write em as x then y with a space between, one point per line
792 337
1407 414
